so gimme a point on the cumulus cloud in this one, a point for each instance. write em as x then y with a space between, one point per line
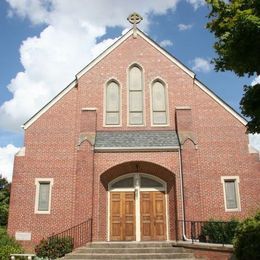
166 43
6 160
67 43
196 3
184 27
201 65
256 81
254 140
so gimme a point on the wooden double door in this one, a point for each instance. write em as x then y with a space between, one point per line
143 214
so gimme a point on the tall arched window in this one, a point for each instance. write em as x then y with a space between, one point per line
112 103
136 96
159 103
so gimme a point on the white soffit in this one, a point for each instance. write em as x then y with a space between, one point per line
221 102
49 105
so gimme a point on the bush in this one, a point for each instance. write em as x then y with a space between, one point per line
54 247
247 239
8 245
219 232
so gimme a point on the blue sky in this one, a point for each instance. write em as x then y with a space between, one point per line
44 43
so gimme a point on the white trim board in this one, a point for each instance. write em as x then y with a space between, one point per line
139 149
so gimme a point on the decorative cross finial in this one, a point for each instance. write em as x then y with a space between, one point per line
134 19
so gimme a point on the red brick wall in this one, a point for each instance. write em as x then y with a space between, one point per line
52 150
164 165
50 153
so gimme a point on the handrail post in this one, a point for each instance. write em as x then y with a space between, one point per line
192 231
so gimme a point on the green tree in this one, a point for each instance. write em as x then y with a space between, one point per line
236 26
8 245
247 238
4 200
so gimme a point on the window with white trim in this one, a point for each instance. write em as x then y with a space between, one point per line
159 104
43 195
136 96
231 193
112 103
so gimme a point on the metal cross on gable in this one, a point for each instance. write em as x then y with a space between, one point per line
134 19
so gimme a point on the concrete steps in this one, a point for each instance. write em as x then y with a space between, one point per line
131 250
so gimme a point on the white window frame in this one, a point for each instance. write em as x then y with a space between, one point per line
158 79
37 183
135 64
105 103
236 181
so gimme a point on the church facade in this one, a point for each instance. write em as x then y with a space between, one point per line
134 143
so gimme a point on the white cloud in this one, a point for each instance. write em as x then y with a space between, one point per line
256 81
64 47
254 140
196 3
166 43
6 160
201 65
184 27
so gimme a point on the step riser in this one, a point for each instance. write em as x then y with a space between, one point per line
138 256
127 250
128 245
131 250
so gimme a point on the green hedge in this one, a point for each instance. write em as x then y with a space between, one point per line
247 239
8 245
218 232
54 247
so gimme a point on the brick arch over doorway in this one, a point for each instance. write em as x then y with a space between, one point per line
134 167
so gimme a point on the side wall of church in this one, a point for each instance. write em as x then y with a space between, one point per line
49 153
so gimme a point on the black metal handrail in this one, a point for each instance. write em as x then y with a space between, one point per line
80 234
218 232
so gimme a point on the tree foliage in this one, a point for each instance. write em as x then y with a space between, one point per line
218 231
4 200
247 237
8 245
236 26
53 248
250 106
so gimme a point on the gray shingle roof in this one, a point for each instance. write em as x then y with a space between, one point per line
136 140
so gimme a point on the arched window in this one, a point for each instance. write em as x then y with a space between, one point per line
112 103
136 96
159 103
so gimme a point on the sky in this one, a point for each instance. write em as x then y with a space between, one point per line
44 43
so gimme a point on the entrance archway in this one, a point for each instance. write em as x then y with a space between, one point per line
137 204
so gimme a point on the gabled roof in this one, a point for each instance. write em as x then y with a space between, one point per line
109 50
122 39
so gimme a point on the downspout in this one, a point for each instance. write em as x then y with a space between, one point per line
182 197
93 180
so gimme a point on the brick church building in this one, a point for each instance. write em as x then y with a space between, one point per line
135 143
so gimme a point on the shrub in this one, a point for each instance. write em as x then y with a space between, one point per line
219 232
54 247
247 239
8 245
